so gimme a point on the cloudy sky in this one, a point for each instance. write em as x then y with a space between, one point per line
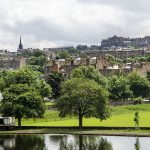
52 23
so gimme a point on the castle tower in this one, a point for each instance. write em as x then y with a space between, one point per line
20 48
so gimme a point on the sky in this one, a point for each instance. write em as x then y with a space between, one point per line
54 23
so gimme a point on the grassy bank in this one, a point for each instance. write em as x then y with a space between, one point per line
122 116
142 133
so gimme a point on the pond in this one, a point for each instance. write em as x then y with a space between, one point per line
72 142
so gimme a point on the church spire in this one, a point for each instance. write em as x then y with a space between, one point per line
20 45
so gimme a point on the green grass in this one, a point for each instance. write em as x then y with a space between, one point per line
122 116
49 103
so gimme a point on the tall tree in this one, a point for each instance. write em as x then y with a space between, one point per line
23 91
22 101
84 98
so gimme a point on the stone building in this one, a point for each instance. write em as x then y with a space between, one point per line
100 63
121 54
12 64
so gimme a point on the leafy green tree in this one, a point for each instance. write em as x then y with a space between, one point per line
139 85
91 73
82 47
25 76
84 98
55 79
22 101
64 55
73 51
119 88
38 59
23 91
38 53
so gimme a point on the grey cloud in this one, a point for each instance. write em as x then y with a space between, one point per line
131 5
43 29
74 26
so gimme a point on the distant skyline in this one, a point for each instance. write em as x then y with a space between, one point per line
52 23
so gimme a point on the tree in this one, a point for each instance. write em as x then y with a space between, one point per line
82 47
38 59
23 91
64 55
119 88
54 80
84 98
139 85
91 73
22 101
25 76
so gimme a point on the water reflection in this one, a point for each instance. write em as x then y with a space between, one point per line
85 143
72 142
22 142
137 144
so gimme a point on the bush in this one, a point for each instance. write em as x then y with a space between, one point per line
138 100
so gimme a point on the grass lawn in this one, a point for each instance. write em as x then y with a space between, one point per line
122 116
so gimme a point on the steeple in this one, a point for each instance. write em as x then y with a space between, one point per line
20 45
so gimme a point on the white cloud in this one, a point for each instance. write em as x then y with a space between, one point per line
48 23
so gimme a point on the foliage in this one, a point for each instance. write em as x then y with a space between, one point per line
138 100
39 61
22 101
38 58
23 92
139 85
119 88
82 47
148 76
25 76
64 55
54 80
26 53
38 53
73 51
89 72
84 98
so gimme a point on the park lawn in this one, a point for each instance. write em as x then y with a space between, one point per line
122 116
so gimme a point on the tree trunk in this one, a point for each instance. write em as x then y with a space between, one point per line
80 118
19 123
80 142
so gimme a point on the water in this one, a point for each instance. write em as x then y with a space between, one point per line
72 142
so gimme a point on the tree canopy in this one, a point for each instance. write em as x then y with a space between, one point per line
139 85
84 98
55 79
119 88
23 91
91 73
